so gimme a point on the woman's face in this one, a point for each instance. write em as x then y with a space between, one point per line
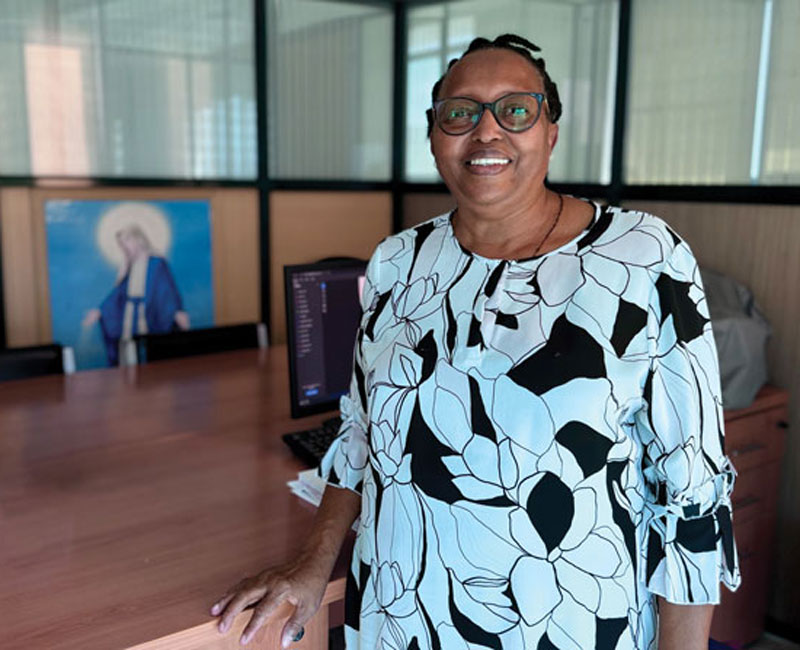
485 76
130 244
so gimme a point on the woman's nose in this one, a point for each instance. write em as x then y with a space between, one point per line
487 128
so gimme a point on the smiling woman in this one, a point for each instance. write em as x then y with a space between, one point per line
533 435
501 155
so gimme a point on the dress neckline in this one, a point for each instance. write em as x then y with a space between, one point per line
496 260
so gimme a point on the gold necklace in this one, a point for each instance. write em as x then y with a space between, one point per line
552 226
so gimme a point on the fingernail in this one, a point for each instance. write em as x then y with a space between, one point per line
215 609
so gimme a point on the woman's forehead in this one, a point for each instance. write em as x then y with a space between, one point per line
491 72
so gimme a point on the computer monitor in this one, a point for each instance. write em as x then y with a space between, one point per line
323 310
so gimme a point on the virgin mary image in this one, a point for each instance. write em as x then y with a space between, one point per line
145 298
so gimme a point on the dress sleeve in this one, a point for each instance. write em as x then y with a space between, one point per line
346 460
689 547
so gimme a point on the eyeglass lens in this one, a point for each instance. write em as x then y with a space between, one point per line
515 112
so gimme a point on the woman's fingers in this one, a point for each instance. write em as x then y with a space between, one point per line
268 591
293 630
217 607
239 601
261 614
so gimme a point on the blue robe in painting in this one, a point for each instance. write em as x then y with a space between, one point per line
161 301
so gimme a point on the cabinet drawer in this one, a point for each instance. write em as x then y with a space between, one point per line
739 617
755 493
755 439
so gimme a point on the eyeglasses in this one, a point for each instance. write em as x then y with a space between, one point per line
515 112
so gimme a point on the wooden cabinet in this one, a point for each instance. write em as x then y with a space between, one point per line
754 442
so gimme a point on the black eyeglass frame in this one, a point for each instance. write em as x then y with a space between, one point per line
433 113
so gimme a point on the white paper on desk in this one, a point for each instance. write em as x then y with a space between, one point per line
313 497
309 487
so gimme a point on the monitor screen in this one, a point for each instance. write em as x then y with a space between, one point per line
323 311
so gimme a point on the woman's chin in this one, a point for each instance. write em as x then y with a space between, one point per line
482 197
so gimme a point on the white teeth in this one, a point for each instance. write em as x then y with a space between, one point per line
488 161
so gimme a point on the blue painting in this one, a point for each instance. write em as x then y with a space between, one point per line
122 268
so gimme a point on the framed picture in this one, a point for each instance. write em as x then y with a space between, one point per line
121 268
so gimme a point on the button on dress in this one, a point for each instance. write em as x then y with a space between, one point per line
538 443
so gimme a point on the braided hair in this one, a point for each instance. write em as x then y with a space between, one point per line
516 44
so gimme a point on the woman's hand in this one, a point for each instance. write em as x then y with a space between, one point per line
182 320
300 583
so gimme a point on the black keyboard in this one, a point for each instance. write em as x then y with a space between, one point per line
312 444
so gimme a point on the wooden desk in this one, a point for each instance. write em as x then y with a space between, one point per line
131 498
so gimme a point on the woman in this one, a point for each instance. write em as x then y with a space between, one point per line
533 438
144 300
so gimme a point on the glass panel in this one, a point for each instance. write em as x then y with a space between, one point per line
578 41
330 90
419 161
128 88
781 162
14 152
693 79
424 37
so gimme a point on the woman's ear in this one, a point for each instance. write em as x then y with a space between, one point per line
552 136
433 151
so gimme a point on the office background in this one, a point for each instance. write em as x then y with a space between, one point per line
302 122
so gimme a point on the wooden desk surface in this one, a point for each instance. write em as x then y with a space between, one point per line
131 498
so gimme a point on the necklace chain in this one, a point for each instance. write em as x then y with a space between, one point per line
549 231
552 226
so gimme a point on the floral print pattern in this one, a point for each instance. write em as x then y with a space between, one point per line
538 443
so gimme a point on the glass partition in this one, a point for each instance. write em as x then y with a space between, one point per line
127 88
694 95
579 43
330 90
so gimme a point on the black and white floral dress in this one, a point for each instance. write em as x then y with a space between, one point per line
538 443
